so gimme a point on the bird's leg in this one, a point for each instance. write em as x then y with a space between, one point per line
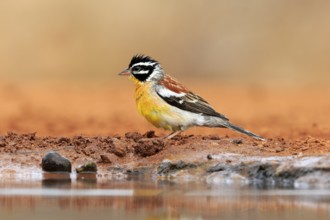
169 136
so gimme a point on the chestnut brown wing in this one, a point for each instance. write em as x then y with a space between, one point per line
189 102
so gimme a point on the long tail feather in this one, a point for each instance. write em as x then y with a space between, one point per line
239 129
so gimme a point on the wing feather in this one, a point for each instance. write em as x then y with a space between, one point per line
184 99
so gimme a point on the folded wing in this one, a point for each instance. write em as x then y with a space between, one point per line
177 95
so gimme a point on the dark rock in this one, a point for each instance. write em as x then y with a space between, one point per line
146 147
87 167
54 162
166 167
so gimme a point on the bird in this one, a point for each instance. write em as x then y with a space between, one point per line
168 104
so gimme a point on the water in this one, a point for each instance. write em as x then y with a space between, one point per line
91 198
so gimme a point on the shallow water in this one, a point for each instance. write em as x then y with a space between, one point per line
66 198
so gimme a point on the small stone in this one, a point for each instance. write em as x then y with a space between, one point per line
87 167
54 162
209 157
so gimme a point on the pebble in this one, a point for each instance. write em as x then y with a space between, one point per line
54 162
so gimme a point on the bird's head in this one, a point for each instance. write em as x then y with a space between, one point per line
143 69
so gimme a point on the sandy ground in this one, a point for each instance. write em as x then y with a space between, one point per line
99 122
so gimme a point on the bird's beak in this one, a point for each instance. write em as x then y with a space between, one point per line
125 72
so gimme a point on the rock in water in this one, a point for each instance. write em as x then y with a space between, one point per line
87 167
54 162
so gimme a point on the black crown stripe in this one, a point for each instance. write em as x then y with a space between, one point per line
141 58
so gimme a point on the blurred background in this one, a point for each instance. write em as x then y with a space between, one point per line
256 43
263 41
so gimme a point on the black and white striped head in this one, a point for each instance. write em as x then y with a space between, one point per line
144 69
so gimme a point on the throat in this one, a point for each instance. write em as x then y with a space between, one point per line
142 77
142 90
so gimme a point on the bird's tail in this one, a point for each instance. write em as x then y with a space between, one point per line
241 130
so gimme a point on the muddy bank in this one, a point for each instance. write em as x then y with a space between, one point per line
276 162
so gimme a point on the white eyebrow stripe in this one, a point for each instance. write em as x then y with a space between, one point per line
144 64
164 92
142 72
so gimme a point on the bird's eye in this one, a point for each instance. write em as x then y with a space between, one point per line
137 68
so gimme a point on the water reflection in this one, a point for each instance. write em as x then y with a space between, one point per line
85 198
56 180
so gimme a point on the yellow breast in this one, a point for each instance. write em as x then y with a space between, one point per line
151 106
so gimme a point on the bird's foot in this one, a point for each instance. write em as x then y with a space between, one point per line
171 135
